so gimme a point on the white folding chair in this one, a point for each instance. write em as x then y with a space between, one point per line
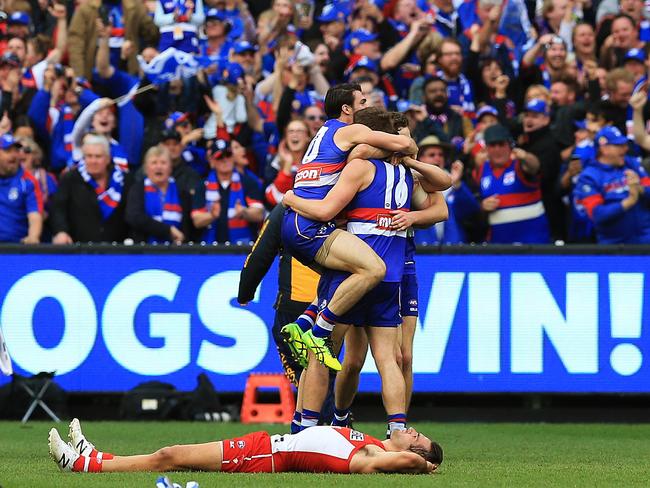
37 398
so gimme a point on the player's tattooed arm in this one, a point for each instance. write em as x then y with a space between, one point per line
366 151
432 178
353 177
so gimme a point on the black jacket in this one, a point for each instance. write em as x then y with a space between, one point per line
543 144
296 283
144 226
75 210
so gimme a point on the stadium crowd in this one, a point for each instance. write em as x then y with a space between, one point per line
538 110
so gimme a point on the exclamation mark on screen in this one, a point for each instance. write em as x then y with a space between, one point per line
626 310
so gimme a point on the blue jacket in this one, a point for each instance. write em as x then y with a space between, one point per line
600 190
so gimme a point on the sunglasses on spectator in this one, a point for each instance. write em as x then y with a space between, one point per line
25 149
316 117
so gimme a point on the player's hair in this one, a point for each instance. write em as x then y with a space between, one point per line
375 118
337 96
433 454
400 120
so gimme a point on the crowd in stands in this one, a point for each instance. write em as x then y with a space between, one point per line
537 108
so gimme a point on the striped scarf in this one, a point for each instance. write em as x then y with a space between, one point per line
163 208
238 228
108 198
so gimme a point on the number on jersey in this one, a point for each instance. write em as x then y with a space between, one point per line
314 146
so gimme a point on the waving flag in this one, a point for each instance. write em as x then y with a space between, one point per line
171 64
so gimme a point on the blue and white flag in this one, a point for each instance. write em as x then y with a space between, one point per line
516 25
171 64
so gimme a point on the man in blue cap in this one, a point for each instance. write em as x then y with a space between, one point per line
539 140
21 201
18 25
634 61
614 191
217 45
243 53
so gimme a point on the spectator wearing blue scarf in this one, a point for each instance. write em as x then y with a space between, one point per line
241 209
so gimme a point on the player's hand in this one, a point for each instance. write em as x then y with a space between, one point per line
287 199
397 159
490 204
176 235
431 467
401 220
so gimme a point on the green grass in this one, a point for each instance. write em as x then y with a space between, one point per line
476 455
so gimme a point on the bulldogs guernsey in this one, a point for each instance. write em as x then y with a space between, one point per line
369 215
520 216
322 164
320 170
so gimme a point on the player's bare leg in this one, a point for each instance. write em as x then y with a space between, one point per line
197 457
81 456
409 323
383 342
342 251
347 380
314 382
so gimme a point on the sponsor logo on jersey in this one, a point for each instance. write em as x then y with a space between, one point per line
485 181
308 174
13 194
241 444
509 178
355 435
384 221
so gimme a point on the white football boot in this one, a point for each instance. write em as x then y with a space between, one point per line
77 439
61 453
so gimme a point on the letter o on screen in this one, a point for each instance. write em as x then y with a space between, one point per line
79 313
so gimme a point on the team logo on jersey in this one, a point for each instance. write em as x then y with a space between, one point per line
232 444
355 435
509 178
13 194
384 221
241 444
308 174
485 181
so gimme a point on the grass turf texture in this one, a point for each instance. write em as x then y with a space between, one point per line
476 455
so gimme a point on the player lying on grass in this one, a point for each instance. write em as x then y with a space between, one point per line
317 450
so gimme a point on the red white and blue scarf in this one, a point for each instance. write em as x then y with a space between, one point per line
238 228
163 208
108 198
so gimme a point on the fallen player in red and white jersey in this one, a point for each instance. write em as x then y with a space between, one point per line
323 449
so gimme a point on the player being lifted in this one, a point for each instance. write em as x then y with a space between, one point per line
372 191
318 450
316 242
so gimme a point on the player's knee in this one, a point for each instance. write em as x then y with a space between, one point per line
400 359
165 459
353 365
406 362
377 271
